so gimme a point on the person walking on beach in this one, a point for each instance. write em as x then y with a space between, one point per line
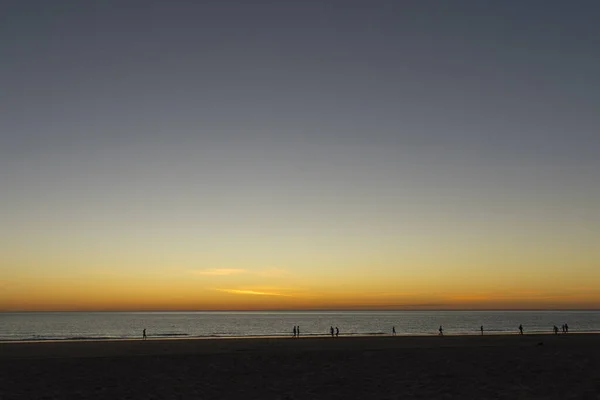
566 328
393 331
144 334
295 332
441 331
331 331
337 331
555 330
298 331
520 329
481 328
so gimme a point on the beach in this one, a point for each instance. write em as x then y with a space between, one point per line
378 367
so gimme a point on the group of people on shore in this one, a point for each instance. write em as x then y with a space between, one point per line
564 328
336 332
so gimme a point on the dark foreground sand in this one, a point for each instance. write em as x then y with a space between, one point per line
473 367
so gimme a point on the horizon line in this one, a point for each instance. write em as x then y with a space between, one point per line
300 310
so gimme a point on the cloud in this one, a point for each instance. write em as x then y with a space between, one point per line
392 294
252 292
219 271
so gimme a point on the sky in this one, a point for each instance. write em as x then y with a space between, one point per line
183 155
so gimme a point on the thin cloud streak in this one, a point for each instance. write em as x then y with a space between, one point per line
252 292
392 294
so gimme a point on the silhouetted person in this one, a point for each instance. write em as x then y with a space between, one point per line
298 331
331 331
337 331
566 328
562 327
481 328
144 334
520 329
441 331
393 331
295 331
555 330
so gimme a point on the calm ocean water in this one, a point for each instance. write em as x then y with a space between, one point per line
122 325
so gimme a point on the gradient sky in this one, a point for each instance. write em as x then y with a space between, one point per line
307 154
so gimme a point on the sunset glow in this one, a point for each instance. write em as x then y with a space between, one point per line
154 159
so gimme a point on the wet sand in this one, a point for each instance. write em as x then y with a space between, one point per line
465 367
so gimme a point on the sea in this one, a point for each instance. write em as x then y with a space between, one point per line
40 326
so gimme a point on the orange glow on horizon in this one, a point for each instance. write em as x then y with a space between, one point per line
334 278
124 296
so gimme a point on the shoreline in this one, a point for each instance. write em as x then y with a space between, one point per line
289 336
198 346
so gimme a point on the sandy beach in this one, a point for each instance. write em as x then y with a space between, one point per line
466 367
